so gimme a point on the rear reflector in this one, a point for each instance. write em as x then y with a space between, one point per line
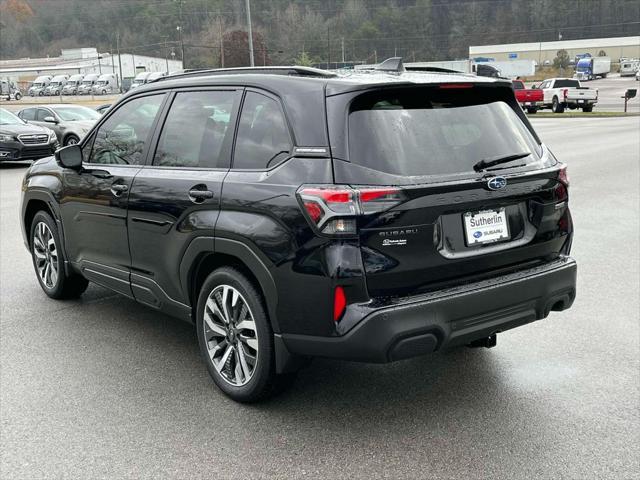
339 303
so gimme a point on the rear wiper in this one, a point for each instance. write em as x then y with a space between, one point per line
490 162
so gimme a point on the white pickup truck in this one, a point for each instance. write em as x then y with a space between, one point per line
561 93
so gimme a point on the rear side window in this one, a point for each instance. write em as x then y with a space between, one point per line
432 131
195 130
518 85
28 114
263 137
121 139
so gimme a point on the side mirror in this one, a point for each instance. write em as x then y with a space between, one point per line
50 120
70 157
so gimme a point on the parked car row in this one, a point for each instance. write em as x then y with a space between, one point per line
36 132
556 94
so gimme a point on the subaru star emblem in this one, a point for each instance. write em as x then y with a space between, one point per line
477 234
497 183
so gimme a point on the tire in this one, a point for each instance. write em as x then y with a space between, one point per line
532 110
104 92
18 96
71 140
46 254
587 109
556 106
241 361
41 93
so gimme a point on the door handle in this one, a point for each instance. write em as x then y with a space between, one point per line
119 188
200 195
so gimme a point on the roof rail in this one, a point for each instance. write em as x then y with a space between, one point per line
293 71
431 69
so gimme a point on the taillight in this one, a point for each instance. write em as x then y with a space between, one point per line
561 190
339 303
564 93
333 209
563 177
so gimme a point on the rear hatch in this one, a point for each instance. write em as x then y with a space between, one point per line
472 193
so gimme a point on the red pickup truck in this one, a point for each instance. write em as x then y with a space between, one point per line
530 99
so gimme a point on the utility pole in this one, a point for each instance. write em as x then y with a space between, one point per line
248 7
342 45
99 64
179 28
166 54
328 48
221 42
119 59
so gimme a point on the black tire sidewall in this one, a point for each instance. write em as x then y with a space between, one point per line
58 288
66 140
264 373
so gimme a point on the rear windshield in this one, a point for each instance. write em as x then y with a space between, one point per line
424 132
566 83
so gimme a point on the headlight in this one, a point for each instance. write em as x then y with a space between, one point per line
52 135
6 138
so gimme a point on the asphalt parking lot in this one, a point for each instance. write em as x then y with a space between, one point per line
105 388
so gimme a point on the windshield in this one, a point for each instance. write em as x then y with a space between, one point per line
70 114
8 118
102 82
435 132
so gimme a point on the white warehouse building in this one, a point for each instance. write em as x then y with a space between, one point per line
614 47
84 61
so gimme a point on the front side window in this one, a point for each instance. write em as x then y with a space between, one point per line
195 130
121 139
263 137
28 114
42 114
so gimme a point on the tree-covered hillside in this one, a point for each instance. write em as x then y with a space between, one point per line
305 31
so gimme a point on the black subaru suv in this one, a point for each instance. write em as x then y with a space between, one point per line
291 213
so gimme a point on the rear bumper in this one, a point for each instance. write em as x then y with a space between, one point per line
420 325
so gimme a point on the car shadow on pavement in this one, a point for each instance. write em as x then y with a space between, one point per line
329 390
